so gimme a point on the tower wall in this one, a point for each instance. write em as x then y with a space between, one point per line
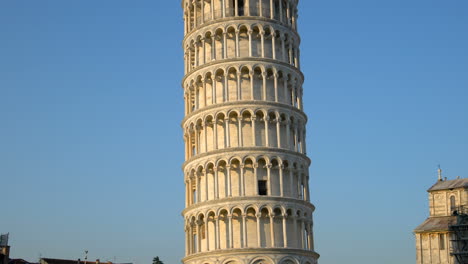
246 169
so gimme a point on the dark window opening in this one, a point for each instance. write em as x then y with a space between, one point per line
240 7
262 188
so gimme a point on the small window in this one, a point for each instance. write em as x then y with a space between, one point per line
262 188
442 241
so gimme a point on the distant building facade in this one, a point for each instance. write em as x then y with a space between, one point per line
443 237
73 261
4 249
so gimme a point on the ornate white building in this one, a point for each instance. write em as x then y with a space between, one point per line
246 169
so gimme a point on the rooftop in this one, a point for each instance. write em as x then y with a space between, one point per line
449 184
436 224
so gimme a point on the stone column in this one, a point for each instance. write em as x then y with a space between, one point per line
275 77
270 186
198 242
213 97
255 166
278 132
212 10
273 44
213 47
216 189
197 187
225 45
302 234
272 10
227 137
285 233
251 85
226 88
217 244
204 49
204 92
264 95
207 234
254 118
228 174
244 231
272 230
259 241
250 43
262 42
238 86
231 237
224 8
281 179
242 180
239 120
206 184
296 231
291 181
236 8
288 135
195 14
205 130
215 133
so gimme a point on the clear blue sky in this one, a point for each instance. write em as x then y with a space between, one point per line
91 145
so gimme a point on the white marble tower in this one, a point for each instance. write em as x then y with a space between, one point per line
246 169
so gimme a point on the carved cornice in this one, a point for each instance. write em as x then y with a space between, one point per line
245 151
239 20
243 105
241 60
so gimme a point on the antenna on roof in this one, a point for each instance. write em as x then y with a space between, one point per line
440 173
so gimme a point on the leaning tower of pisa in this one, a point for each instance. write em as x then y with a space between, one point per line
246 169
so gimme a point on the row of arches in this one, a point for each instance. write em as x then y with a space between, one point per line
256 259
243 83
258 128
257 41
250 176
198 12
253 227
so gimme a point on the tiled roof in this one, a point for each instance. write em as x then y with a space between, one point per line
19 261
436 224
451 184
